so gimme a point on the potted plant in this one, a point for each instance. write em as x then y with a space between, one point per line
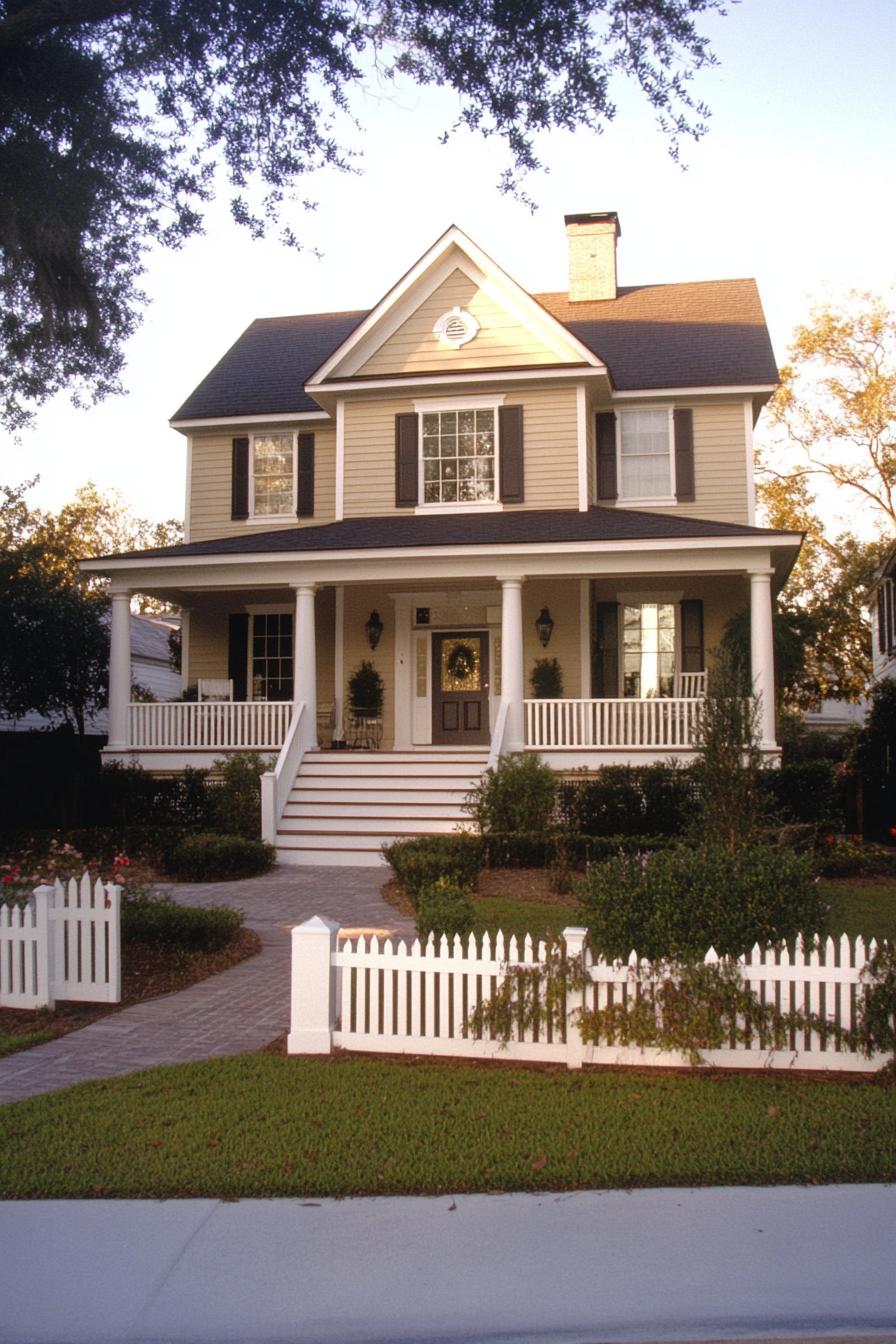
365 691
546 679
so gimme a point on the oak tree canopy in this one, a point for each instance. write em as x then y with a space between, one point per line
118 121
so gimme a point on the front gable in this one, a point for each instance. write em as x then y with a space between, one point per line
398 337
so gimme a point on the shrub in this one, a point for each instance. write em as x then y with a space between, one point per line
628 800
877 1012
237 807
128 795
421 862
365 689
680 902
444 906
217 858
546 679
98 845
518 795
726 767
188 928
805 792
518 850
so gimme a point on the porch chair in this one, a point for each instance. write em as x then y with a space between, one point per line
215 688
690 685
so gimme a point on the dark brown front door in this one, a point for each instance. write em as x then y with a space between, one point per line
460 688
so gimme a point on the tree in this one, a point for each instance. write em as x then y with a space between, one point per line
93 523
835 414
116 118
54 643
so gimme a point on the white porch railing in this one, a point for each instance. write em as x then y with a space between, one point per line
250 725
276 784
611 723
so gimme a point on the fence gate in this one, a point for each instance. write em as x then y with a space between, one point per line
64 943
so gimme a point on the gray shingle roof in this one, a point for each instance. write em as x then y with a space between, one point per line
703 334
522 527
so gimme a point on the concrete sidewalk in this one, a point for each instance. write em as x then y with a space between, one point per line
240 1009
577 1268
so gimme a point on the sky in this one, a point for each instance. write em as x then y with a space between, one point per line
793 184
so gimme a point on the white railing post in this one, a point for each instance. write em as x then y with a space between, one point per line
313 996
574 939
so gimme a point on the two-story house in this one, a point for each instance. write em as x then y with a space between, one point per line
459 482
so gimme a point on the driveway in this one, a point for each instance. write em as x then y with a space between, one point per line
240 1009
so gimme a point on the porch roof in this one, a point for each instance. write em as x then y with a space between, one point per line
512 528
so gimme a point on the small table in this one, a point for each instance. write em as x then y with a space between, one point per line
365 731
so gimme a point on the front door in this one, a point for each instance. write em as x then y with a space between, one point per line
460 689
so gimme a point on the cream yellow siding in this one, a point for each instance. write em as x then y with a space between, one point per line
550 450
208 632
561 597
210 485
359 602
501 342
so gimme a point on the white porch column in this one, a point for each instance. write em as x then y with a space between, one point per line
305 661
512 662
762 654
119 670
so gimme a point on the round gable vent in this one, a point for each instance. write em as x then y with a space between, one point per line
456 328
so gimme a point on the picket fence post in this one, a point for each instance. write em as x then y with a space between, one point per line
574 938
43 897
313 998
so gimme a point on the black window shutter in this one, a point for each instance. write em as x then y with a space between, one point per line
510 448
238 652
406 490
605 658
881 619
691 634
305 484
239 479
684 456
606 456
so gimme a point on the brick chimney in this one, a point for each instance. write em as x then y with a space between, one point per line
592 255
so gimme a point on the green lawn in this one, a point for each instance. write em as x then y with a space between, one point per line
9 1043
539 918
865 907
267 1125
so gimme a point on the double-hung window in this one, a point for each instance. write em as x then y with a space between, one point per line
645 454
648 649
271 659
272 468
458 450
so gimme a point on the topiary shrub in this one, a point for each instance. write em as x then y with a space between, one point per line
680 902
444 907
520 794
421 862
546 679
220 858
162 922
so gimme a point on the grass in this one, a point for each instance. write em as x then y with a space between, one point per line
11 1042
268 1125
539 918
862 906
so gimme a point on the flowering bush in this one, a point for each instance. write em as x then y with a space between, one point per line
849 856
28 869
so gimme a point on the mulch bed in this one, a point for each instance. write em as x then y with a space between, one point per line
146 973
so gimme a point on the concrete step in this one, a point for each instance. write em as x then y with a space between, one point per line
385 795
330 858
393 809
376 825
337 768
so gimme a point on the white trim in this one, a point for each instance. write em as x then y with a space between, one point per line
584 639
582 445
184 647
339 504
484 402
216 421
188 489
552 332
529 374
473 506
646 503
751 477
727 391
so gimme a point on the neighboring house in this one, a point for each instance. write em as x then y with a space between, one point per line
460 481
882 603
150 671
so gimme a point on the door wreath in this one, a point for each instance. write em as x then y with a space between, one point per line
461 662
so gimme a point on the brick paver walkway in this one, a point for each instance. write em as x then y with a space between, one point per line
240 1009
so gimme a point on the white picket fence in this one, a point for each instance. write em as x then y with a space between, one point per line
64 943
376 995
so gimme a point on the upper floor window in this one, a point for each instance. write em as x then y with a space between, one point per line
272 475
645 453
458 454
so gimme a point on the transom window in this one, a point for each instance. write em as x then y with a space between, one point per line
645 443
458 456
272 475
648 650
271 656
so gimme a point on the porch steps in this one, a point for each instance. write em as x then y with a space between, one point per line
345 805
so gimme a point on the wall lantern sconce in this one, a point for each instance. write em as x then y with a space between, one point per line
545 627
373 628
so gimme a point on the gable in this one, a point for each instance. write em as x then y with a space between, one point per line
502 341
